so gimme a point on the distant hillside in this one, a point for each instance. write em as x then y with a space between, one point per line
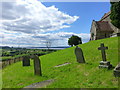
74 75
4 47
51 47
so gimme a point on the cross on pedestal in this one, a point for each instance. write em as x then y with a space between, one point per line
103 48
104 63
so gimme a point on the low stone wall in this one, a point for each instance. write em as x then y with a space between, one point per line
10 61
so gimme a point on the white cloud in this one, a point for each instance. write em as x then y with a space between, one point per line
31 16
25 21
57 39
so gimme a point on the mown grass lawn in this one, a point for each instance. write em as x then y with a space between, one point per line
74 75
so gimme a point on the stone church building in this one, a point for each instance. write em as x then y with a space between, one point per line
103 28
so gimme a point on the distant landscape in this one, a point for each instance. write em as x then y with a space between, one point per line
58 47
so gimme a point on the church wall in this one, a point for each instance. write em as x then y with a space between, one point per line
115 29
101 35
93 31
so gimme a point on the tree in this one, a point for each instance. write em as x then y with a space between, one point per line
74 40
115 14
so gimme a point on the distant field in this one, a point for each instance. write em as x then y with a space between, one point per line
74 75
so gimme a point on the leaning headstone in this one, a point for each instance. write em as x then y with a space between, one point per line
37 65
104 63
26 61
117 71
79 55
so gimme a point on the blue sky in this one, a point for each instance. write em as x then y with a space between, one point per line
33 23
87 11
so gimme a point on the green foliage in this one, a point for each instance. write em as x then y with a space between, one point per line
115 14
74 40
74 75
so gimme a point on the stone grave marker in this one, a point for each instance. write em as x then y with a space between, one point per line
26 61
37 65
79 55
104 63
117 70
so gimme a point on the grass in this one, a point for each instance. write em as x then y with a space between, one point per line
0 79
74 75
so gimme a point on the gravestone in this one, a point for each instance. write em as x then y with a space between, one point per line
117 71
104 63
37 65
26 61
79 55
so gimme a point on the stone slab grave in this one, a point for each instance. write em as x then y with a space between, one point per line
104 63
40 84
37 65
63 64
26 61
116 71
79 55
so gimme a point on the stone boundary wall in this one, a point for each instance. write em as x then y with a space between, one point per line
11 61
7 62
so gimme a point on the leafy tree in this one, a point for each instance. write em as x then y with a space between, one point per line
74 40
115 14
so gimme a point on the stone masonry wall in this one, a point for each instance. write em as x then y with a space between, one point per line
10 61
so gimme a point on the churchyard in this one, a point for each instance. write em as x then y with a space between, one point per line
64 69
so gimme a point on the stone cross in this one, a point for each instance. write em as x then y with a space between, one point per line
37 65
79 55
103 48
26 61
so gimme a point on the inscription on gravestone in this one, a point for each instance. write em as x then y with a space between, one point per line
37 65
79 55
26 61
104 63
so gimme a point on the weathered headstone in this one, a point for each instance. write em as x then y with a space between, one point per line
79 55
117 71
26 61
104 63
37 65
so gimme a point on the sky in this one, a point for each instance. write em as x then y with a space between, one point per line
31 23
